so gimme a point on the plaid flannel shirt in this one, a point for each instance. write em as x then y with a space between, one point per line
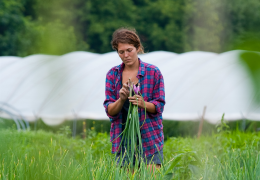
152 89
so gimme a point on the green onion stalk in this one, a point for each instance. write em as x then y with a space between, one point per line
131 134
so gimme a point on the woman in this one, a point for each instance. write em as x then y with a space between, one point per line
127 44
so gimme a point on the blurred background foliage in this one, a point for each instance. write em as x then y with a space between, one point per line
170 128
251 60
58 27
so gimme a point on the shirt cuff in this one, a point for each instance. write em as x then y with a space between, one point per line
112 118
157 108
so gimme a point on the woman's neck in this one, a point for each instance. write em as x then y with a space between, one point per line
133 67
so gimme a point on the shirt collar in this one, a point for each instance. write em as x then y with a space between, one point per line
141 70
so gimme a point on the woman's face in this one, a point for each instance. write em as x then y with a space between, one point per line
128 53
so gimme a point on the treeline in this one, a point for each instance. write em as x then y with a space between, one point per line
61 26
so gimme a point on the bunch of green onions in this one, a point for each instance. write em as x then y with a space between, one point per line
131 134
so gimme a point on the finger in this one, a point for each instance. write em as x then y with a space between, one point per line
137 103
136 97
135 100
122 92
126 91
125 86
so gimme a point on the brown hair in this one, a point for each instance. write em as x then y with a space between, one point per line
126 36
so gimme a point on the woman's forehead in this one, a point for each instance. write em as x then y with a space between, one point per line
124 46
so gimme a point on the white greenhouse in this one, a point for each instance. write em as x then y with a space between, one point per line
72 86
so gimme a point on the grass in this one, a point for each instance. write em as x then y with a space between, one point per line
43 155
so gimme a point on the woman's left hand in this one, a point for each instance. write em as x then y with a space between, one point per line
137 99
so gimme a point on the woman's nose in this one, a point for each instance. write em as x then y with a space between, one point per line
126 54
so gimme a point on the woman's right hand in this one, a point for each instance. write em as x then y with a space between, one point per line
115 107
124 92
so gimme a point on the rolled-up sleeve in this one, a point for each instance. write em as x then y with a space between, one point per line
158 93
110 94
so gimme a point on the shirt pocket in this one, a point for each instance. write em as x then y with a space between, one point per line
115 90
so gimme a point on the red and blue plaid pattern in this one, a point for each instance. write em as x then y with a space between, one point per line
152 89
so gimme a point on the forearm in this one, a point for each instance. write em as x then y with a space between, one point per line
115 107
150 107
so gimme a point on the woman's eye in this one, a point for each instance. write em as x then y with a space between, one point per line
121 52
129 50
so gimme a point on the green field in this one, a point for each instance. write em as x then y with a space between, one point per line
43 155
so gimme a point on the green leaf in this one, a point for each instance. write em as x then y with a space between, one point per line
195 156
168 176
174 162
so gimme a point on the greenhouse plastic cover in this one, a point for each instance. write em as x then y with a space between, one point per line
72 86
